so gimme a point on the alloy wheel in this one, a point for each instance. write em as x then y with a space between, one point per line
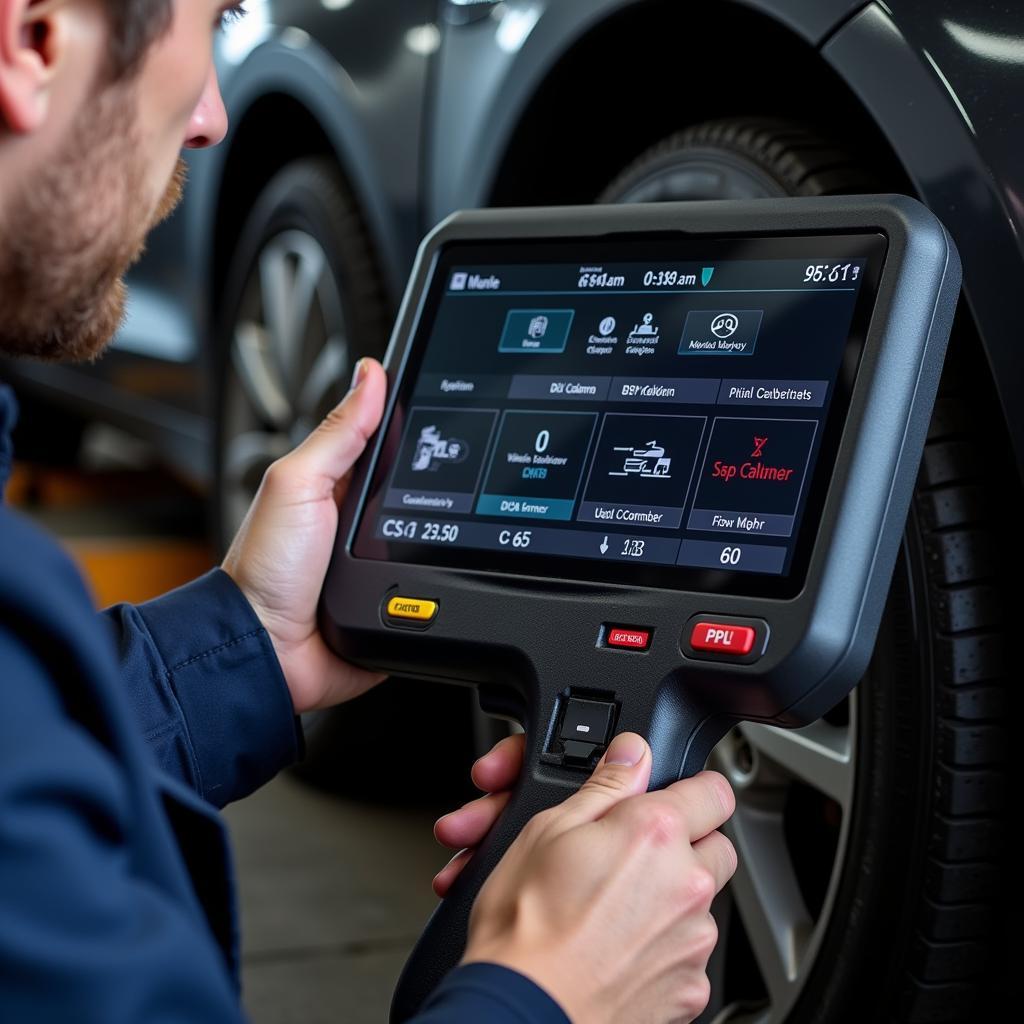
794 794
290 357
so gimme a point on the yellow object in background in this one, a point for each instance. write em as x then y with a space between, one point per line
137 570
134 534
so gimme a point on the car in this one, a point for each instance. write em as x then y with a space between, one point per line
873 874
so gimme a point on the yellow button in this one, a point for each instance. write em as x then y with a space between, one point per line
412 608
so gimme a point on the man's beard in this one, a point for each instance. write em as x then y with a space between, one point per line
69 235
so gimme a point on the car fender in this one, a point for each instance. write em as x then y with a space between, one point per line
292 64
916 97
491 68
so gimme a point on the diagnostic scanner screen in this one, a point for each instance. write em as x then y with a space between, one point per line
625 409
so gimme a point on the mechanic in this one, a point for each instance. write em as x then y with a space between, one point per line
123 733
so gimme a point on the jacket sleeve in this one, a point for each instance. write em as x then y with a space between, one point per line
489 992
204 681
85 935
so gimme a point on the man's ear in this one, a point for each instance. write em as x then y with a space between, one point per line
33 36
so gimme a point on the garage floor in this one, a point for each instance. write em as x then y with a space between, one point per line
333 896
333 892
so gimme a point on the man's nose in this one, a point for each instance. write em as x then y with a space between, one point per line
209 122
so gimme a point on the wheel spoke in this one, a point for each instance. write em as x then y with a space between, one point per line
260 375
275 290
248 455
291 269
768 898
309 272
324 376
818 755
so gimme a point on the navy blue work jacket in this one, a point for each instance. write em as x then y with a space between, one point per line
121 735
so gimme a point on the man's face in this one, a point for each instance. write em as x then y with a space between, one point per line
79 218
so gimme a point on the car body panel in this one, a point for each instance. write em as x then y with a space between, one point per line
953 134
491 68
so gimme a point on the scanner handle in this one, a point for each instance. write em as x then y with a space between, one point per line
443 942
440 947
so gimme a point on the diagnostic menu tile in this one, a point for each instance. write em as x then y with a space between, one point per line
753 476
720 332
537 464
642 470
440 459
536 330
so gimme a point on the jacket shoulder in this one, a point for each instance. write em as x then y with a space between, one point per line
45 604
36 575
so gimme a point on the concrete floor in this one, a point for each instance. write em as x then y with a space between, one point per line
333 896
333 892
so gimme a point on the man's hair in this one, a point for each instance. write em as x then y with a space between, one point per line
134 26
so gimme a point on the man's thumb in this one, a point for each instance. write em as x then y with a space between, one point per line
624 771
330 451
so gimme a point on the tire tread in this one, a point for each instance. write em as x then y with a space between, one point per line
951 952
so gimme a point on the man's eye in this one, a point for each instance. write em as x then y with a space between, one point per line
229 15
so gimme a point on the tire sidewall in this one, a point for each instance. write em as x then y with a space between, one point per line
290 201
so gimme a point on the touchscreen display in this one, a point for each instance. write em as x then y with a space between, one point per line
625 409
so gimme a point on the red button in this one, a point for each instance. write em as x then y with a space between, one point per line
723 638
633 639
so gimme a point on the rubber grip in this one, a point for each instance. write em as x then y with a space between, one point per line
440 947
443 942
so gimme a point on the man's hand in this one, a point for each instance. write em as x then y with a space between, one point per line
495 773
604 900
280 556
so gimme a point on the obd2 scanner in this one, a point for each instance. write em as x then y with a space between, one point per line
642 468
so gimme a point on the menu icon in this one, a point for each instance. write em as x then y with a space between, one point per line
720 332
641 472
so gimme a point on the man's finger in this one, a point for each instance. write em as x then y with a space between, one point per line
469 824
446 876
706 802
718 855
624 771
500 767
332 449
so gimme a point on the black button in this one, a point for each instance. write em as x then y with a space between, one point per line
588 721
578 753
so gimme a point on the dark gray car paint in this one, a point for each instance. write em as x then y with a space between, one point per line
485 84
956 138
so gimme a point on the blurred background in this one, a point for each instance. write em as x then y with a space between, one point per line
357 125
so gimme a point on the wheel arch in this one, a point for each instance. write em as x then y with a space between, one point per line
916 109
284 105
838 78
306 105
792 80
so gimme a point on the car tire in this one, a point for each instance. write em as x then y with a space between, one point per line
304 300
880 903
305 232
